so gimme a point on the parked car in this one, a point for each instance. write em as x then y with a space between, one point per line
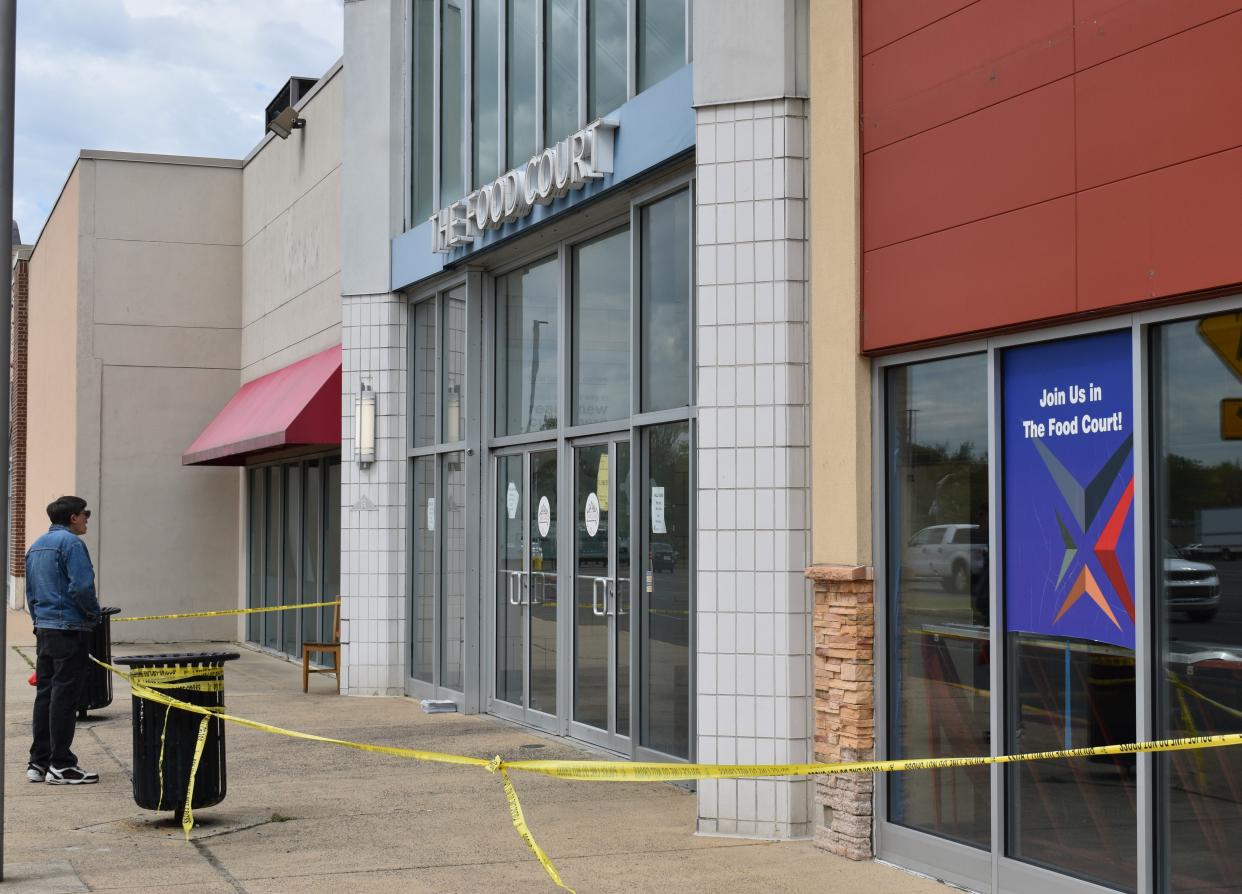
948 553
1192 587
663 557
1205 551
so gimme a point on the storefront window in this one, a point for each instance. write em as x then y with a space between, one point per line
664 648
1068 484
423 365
256 492
271 620
560 71
294 550
1196 570
331 549
522 63
455 365
290 592
486 87
601 307
312 521
661 40
423 66
527 327
452 102
936 445
666 297
453 570
422 640
607 40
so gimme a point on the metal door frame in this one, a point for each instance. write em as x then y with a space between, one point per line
522 713
605 738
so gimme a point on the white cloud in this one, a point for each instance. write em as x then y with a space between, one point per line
184 77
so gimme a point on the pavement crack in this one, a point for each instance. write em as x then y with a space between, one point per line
215 864
112 754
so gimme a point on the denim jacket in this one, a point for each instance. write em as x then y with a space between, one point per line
60 582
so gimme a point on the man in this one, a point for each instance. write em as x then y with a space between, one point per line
60 590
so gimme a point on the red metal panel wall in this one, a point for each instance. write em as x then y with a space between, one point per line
1034 161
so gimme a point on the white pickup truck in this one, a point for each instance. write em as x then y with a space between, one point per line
949 553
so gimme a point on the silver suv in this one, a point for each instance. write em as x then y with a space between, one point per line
949 553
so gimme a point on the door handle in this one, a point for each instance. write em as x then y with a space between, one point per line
598 609
514 598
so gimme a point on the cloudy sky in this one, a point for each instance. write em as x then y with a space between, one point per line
184 77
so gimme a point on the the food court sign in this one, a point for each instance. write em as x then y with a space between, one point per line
1069 489
556 171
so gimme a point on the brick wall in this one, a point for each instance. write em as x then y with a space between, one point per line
844 625
17 425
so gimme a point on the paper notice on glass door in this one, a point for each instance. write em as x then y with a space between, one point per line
431 513
511 500
657 511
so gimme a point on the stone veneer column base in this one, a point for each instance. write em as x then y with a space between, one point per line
844 625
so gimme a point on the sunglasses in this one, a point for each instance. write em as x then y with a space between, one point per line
85 512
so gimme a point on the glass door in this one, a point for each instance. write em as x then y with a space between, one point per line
602 595
526 587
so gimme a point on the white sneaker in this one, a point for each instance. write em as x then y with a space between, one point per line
70 776
35 774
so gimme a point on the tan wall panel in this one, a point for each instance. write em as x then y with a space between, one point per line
168 346
283 170
158 202
296 251
291 254
52 369
840 378
153 283
168 535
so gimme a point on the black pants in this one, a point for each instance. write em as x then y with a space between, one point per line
61 665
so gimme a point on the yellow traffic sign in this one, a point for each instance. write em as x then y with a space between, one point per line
1223 333
1231 419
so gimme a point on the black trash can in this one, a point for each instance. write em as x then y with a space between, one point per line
97 681
197 678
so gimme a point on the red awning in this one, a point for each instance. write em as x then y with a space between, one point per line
297 406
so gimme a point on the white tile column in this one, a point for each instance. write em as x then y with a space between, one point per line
754 647
373 510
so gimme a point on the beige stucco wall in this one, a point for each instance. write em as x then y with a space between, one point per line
840 378
159 352
53 360
291 238
135 344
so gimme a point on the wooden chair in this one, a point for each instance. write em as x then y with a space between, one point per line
333 647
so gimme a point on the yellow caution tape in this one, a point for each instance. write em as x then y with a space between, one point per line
519 822
623 771
231 611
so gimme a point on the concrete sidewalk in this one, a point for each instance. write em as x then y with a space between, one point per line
307 817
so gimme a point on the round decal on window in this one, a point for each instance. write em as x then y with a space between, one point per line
544 517
591 514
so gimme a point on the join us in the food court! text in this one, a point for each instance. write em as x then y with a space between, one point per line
1086 423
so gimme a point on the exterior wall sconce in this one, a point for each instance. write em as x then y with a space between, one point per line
364 425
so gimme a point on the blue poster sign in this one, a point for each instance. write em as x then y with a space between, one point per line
1069 489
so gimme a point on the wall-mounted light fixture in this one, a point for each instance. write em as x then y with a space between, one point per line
364 425
286 123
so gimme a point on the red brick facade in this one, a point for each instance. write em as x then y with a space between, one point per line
17 424
844 623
